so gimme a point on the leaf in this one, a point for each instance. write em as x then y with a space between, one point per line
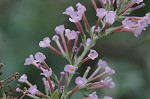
55 95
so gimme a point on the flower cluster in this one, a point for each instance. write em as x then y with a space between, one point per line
78 52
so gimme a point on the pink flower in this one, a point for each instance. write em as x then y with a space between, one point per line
55 38
70 69
23 78
93 96
102 64
40 57
110 17
107 97
101 12
45 43
80 9
142 24
137 31
71 35
147 17
47 73
75 17
107 82
29 61
33 90
60 29
109 71
80 81
93 54
127 23
138 1
69 11
18 89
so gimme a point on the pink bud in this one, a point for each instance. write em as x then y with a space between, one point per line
80 81
45 43
70 69
23 78
101 12
29 61
40 57
93 54
33 90
110 17
60 29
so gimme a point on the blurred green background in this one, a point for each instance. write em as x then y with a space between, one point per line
23 23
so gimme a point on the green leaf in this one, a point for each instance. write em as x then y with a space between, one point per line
55 95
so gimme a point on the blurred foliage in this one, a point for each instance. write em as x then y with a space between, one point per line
23 23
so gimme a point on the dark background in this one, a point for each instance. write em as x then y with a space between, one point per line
23 23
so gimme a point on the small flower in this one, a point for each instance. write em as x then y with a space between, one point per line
18 89
137 31
109 71
29 61
138 1
107 82
80 8
127 23
93 54
71 35
60 29
101 12
33 90
55 38
40 57
142 24
102 64
110 17
93 96
45 43
75 17
107 97
70 69
147 17
47 73
69 11
23 78
80 81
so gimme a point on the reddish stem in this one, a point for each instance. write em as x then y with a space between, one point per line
50 83
105 27
79 27
85 60
55 50
73 91
129 6
47 67
97 23
68 45
86 21
117 29
98 76
94 4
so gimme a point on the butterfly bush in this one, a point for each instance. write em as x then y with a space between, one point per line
76 46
